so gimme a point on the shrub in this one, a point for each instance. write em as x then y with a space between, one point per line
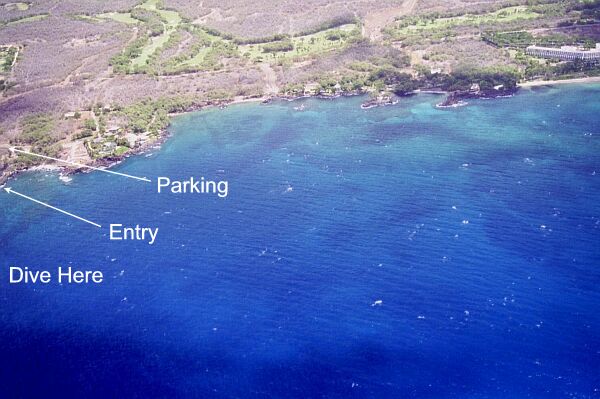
276 47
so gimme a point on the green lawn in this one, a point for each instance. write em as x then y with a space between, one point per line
120 150
172 17
504 15
216 48
198 59
173 20
123 17
148 50
303 45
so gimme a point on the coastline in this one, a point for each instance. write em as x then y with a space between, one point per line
265 99
537 83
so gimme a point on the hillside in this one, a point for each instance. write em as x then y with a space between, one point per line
93 80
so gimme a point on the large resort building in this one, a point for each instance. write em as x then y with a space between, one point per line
565 53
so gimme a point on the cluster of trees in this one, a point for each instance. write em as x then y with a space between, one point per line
121 63
561 69
487 79
22 18
336 34
218 50
387 78
402 83
508 39
9 56
260 40
524 39
153 20
461 80
36 130
333 23
275 47
153 115
85 133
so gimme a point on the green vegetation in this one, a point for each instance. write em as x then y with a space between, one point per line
121 63
89 124
83 134
585 12
120 150
153 115
334 23
36 131
547 70
17 6
258 40
31 18
170 17
145 119
389 79
7 58
160 25
164 30
139 63
434 26
125 18
87 18
522 39
206 54
153 20
301 46
486 79
276 47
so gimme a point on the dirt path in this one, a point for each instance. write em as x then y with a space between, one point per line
96 122
376 21
271 87
76 152
14 61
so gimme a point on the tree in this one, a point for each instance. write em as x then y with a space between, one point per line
405 85
89 124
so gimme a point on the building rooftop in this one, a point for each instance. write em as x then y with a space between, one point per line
567 49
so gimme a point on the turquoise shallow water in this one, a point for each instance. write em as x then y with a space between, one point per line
404 251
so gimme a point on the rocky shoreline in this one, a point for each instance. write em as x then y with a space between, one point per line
66 170
458 98
108 162
453 99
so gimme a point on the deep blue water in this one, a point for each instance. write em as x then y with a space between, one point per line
478 229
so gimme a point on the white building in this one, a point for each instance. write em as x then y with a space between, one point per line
565 53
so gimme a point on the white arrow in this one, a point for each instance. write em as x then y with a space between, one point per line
80 165
11 191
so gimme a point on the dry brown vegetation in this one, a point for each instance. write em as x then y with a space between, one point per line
265 18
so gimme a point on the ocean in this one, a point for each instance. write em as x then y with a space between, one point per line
397 252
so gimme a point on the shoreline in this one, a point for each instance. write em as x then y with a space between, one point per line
538 83
265 99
